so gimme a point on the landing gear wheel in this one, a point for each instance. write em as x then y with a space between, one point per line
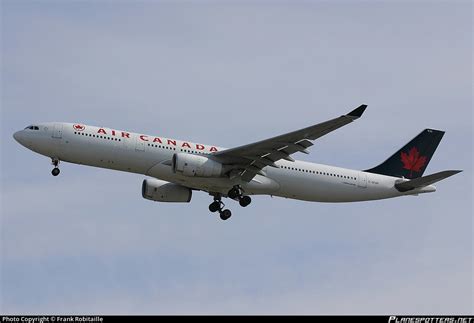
234 193
218 206
55 162
245 201
55 171
214 206
226 214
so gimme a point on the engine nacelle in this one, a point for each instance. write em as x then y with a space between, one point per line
161 191
195 165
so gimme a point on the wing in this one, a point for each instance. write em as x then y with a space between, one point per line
252 158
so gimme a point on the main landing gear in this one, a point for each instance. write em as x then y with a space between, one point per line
235 193
55 170
218 205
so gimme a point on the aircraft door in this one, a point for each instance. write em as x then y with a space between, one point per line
362 180
58 130
139 144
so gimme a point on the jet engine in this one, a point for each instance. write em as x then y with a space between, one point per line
195 165
161 191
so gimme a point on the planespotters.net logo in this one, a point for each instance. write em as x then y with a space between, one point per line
430 319
79 127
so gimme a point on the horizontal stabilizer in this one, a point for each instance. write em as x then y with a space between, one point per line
425 180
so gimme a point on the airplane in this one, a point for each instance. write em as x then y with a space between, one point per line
176 168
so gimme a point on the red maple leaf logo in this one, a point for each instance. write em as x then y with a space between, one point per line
79 127
413 161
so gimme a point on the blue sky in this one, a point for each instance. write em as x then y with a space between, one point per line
229 73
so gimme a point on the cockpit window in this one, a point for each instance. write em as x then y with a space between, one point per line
32 128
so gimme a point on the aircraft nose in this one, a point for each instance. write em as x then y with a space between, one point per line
19 136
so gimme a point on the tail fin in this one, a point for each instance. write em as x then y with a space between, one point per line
412 160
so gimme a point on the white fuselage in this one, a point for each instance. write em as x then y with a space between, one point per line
152 155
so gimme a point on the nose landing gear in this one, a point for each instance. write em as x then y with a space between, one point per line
55 171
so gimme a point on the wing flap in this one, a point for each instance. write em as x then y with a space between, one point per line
264 162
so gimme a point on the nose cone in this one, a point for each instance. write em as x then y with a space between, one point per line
16 135
20 137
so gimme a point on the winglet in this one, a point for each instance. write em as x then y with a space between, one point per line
357 113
